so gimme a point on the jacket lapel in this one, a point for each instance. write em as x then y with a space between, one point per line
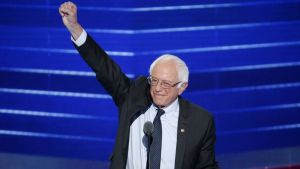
140 106
181 134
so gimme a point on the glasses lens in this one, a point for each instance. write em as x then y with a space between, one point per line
165 84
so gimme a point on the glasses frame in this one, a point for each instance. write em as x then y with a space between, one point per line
163 83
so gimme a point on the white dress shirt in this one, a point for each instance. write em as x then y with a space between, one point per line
137 154
81 39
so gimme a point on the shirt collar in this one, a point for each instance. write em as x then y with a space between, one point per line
172 107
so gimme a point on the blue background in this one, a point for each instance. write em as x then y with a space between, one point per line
243 56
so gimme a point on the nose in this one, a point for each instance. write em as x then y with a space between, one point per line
158 87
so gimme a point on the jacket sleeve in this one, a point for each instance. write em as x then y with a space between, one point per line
108 73
206 159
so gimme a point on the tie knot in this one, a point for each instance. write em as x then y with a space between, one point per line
160 112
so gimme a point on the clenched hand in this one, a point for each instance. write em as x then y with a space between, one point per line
68 11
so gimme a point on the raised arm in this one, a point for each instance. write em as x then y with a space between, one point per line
68 11
108 73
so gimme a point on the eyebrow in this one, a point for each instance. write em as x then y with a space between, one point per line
162 79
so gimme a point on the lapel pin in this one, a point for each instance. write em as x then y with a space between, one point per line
182 130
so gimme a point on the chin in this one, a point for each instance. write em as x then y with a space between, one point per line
159 103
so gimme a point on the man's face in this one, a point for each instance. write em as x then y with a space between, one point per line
165 72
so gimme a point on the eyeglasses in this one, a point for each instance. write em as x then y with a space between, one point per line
163 83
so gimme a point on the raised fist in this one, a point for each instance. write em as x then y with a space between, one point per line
68 11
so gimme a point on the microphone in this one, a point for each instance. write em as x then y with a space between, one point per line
148 128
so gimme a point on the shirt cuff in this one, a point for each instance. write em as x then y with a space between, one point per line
82 38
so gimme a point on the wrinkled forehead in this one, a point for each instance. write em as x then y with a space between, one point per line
165 70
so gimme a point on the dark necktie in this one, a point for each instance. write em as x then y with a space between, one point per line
155 149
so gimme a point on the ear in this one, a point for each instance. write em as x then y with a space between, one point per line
182 87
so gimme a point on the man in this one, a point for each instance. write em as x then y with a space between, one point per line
184 134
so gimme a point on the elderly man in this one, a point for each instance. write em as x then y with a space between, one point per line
184 134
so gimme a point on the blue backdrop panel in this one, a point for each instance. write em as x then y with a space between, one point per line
244 60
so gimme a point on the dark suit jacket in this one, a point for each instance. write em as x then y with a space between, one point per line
196 131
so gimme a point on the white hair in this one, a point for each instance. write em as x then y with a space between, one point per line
183 71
